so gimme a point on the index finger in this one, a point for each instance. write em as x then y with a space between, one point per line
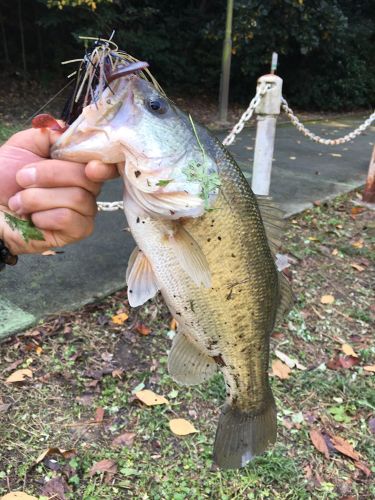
36 140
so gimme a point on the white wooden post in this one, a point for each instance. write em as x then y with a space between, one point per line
267 111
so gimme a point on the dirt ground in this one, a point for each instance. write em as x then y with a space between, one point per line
74 428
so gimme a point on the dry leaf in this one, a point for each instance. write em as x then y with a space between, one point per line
55 488
357 210
125 439
181 427
99 415
55 451
357 267
318 441
18 495
348 350
39 350
19 375
349 361
369 368
142 329
280 369
335 252
344 447
49 252
149 398
107 467
291 362
357 244
327 299
173 324
119 319
363 467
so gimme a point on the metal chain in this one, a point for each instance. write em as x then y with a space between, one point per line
107 206
263 88
230 138
328 142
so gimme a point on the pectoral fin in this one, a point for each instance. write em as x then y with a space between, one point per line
187 364
140 279
190 256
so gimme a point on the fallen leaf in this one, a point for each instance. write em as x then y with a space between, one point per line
363 467
348 361
125 439
13 365
55 488
358 210
107 467
19 375
173 324
348 350
55 451
319 442
369 368
119 319
99 415
181 427
149 398
334 252
18 495
357 244
280 369
291 362
344 447
327 299
143 329
117 373
4 407
359 268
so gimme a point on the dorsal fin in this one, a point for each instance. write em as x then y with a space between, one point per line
274 224
273 220
286 297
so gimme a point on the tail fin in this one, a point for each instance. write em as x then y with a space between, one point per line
241 436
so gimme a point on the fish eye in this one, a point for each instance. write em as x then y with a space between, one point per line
157 105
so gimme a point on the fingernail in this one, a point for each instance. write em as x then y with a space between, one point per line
26 176
14 203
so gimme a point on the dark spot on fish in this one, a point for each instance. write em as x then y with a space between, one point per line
137 173
208 239
174 296
185 307
213 221
240 336
138 220
233 255
228 394
191 305
179 314
219 360
219 238
143 222
207 365
172 212
130 291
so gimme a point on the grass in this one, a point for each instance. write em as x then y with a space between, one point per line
83 361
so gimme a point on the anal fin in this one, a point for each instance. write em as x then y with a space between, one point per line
140 279
187 364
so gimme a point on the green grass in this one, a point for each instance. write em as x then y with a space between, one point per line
57 407
7 130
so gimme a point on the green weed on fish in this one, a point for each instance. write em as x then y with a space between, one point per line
25 227
198 172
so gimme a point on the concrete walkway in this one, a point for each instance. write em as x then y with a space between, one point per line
302 173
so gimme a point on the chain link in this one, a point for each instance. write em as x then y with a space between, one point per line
328 142
230 138
108 206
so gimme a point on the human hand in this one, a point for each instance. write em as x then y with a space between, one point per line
58 196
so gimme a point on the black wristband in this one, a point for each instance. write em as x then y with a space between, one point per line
6 258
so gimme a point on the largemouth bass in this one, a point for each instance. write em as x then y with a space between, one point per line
202 241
